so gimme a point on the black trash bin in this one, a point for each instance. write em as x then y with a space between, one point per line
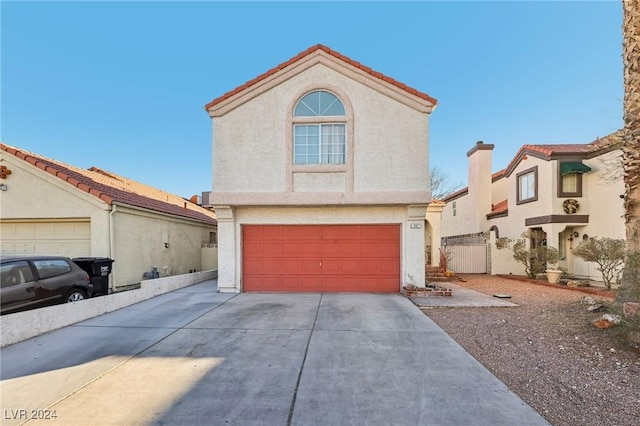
98 269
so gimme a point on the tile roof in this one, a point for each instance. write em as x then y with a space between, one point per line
545 151
499 209
552 149
112 188
608 141
456 194
332 53
577 148
497 175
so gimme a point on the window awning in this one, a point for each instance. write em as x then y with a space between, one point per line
573 167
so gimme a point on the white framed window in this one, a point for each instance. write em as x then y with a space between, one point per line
319 129
454 208
527 188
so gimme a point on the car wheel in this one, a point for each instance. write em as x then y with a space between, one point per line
75 296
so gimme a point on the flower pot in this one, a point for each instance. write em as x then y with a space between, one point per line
553 276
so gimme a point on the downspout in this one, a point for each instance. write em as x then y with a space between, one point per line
112 249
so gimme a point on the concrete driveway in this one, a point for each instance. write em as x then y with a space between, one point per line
197 357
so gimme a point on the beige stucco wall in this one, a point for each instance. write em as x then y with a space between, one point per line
602 201
462 222
433 231
231 221
140 238
253 142
499 190
210 258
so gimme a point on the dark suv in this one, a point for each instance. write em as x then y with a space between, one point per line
29 282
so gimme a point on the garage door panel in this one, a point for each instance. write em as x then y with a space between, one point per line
28 231
369 265
309 266
331 248
387 249
253 250
311 249
330 283
331 266
345 258
47 237
272 232
372 233
349 284
253 266
350 232
309 232
272 249
349 266
253 233
272 266
291 283
310 283
388 267
348 248
389 232
289 233
291 249
371 249
330 232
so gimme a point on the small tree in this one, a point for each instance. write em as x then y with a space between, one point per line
440 185
608 253
535 259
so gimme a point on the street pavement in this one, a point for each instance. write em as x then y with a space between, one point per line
198 357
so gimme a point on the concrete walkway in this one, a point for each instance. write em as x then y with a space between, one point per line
195 356
461 298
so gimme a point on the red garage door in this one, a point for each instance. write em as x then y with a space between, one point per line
355 258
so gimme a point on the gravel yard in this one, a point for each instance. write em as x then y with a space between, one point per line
547 351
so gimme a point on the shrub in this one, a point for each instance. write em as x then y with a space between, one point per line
608 253
535 260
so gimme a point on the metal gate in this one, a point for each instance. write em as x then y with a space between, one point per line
469 259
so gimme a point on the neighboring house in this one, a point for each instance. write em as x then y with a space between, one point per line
559 194
48 207
320 178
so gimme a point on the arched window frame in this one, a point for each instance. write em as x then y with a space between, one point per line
332 150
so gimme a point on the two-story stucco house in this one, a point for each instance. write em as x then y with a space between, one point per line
320 178
559 194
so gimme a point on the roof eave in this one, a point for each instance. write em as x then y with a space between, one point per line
304 61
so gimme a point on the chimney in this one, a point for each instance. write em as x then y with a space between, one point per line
480 185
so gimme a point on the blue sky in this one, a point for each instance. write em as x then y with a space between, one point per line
122 85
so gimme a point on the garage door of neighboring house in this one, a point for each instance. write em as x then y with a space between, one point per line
66 238
330 258
470 259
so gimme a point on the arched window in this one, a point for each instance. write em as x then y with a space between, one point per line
319 129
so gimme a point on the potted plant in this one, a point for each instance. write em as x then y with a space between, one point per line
553 272
553 275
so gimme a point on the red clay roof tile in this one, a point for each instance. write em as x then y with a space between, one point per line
310 50
500 207
112 188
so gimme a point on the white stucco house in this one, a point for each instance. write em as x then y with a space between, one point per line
559 194
49 207
320 178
